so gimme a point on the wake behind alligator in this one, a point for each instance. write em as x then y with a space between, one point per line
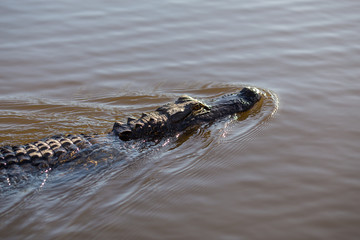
16 162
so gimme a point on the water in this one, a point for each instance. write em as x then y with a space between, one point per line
75 66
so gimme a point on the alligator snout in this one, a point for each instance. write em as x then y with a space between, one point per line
250 93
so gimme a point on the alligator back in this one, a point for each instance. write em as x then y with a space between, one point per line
41 155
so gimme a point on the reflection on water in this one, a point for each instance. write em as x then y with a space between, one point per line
71 66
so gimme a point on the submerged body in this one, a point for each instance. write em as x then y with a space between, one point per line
167 120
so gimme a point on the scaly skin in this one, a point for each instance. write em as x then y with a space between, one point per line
167 120
184 113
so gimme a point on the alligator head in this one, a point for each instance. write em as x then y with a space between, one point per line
185 112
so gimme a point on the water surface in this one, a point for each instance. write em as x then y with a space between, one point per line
75 66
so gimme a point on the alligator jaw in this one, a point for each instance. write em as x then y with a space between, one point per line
183 113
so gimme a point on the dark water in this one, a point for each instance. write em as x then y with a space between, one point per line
77 66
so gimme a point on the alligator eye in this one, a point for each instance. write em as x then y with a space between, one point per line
200 107
197 107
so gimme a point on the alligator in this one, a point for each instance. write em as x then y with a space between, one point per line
167 120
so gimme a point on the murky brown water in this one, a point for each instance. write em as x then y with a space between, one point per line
76 66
